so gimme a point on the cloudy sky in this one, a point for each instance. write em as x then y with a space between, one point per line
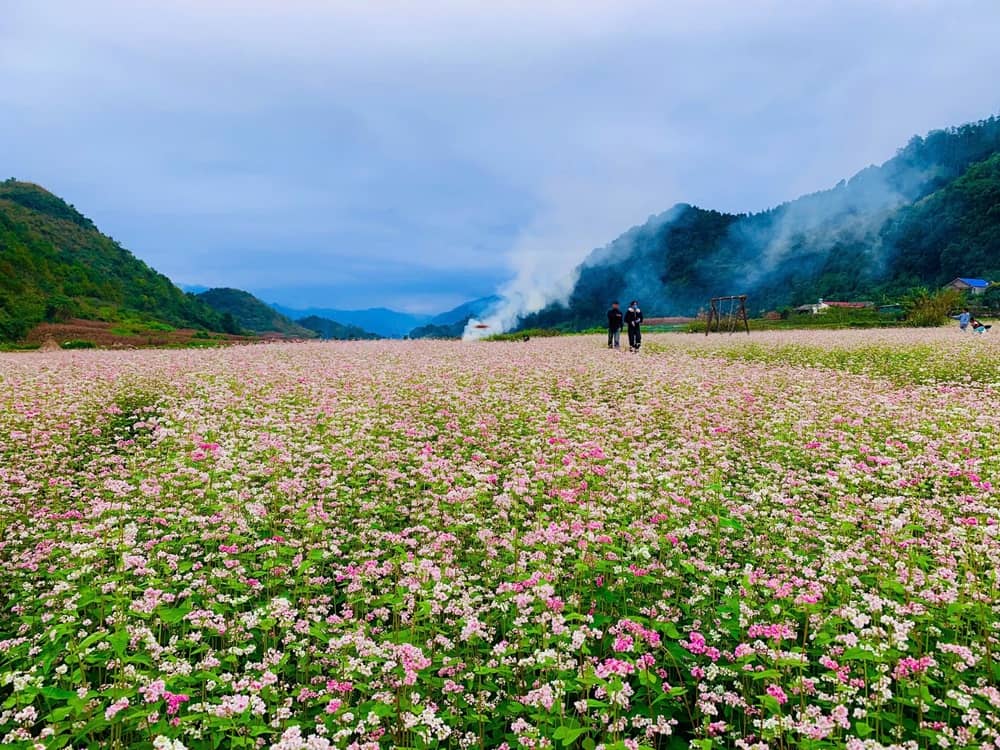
418 154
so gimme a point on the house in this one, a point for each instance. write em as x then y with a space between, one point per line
963 284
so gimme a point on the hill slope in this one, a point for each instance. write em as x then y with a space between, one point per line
451 324
466 310
331 329
252 314
56 265
927 215
380 320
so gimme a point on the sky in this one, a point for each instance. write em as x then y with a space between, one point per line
415 155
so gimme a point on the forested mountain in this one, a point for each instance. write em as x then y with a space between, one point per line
252 314
470 309
451 324
927 215
331 329
56 265
380 320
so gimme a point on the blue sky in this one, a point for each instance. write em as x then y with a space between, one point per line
415 155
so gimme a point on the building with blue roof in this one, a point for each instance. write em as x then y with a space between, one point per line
963 284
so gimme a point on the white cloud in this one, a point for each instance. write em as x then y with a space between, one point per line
496 136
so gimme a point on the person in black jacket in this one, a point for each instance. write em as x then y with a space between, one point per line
633 319
614 326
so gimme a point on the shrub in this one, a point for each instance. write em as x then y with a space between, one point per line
925 309
535 333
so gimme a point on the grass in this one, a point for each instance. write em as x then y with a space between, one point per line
535 333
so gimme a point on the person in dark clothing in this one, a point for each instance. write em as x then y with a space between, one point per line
633 319
978 327
614 326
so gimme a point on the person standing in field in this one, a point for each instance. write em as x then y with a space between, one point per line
964 318
633 319
614 326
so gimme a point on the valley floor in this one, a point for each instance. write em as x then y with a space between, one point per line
782 540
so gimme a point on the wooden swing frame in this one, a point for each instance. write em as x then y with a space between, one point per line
733 316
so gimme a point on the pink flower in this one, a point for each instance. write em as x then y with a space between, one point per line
777 693
623 643
909 666
611 666
695 643
119 705
335 686
174 702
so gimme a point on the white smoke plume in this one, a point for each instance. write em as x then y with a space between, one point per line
577 216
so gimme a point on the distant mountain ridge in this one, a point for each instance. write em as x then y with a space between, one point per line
55 266
466 310
333 330
929 214
451 324
252 314
380 320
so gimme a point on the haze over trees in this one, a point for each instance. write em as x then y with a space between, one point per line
927 215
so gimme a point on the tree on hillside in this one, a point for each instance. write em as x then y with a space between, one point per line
230 324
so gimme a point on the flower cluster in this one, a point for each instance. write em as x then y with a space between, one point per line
792 542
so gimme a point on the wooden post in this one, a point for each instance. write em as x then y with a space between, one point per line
713 313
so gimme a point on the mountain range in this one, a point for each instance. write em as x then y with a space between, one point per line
378 320
245 312
395 324
927 215
451 324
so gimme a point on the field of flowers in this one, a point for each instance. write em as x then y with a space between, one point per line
720 543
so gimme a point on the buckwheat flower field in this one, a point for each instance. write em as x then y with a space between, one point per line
781 541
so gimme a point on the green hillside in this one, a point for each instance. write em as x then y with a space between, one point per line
954 231
56 265
440 331
251 314
925 216
332 330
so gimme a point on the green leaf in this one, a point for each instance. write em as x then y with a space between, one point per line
91 639
862 729
118 642
858 654
170 615
731 523
771 703
57 693
568 735
60 714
